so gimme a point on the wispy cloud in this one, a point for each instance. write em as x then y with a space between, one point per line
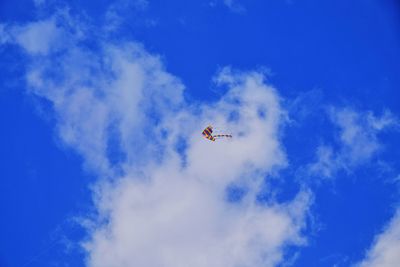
161 198
117 12
234 6
39 3
358 140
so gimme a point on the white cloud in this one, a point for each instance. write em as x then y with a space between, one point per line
91 101
177 220
158 204
385 252
358 140
44 37
38 37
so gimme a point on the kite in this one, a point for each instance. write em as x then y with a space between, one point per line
207 133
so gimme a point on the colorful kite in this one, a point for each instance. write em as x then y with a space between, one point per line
207 133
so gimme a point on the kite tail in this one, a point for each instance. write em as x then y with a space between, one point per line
222 135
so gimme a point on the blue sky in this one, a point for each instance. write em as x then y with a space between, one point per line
102 104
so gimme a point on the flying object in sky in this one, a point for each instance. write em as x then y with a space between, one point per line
207 133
